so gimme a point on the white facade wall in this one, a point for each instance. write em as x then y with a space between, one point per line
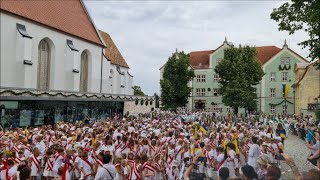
120 83
15 49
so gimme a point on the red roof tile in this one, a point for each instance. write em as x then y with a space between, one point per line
200 59
67 16
264 54
111 52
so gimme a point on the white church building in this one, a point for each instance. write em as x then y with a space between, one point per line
56 65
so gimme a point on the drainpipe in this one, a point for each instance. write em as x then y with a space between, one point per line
260 95
101 70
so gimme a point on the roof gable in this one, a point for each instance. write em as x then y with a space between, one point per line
67 16
200 59
264 54
111 51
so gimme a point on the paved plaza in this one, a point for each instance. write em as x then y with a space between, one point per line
295 147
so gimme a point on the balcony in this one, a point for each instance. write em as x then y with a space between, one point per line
313 106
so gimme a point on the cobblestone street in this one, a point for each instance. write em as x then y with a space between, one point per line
295 147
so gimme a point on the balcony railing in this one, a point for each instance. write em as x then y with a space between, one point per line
313 106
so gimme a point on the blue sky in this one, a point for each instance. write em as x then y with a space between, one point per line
148 32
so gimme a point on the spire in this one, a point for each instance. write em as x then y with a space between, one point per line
225 40
285 45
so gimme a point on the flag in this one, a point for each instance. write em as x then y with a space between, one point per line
203 130
205 127
196 133
282 135
235 142
285 89
93 141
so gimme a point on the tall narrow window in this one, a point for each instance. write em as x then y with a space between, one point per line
272 109
284 76
198 78
44 65
215 92
216 77
203 78
284 109
272 92
84 72
273 76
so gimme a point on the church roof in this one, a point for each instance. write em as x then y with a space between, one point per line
111 52
69 17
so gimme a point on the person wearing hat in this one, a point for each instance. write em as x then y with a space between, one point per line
263 166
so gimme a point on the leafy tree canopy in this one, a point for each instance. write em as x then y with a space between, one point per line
301 15
137 91
174 85
240 72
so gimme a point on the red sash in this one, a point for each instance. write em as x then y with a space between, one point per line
15 148
117 146
148 166
5 167
57 156
220 164
17 160
49 164
136 172
124 147
36 162
209 160
86 160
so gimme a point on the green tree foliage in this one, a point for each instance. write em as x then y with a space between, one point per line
240 72
174 85
156 99
301 15
137 91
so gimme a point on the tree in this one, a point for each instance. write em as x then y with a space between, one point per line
240 72
137 91
301 15
174 85
157 98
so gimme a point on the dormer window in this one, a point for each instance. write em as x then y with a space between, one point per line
285 61
71 46
22 30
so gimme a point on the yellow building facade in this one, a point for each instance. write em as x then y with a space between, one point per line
306 88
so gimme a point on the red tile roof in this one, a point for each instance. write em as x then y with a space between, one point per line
67 16
200 59
111 52
264 54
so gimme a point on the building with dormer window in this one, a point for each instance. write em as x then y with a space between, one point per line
56 65
277 63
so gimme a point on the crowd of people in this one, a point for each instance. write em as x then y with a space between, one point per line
163 145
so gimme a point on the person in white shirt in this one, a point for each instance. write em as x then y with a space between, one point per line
86 166
254 153
107 171
40 145
12 170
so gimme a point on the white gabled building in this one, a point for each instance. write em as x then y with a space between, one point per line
55 65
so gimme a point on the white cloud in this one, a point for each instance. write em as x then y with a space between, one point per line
147 32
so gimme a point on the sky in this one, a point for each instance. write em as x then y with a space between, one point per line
148 32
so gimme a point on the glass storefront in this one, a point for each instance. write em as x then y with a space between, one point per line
35 113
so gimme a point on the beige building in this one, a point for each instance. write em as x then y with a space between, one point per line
306 88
